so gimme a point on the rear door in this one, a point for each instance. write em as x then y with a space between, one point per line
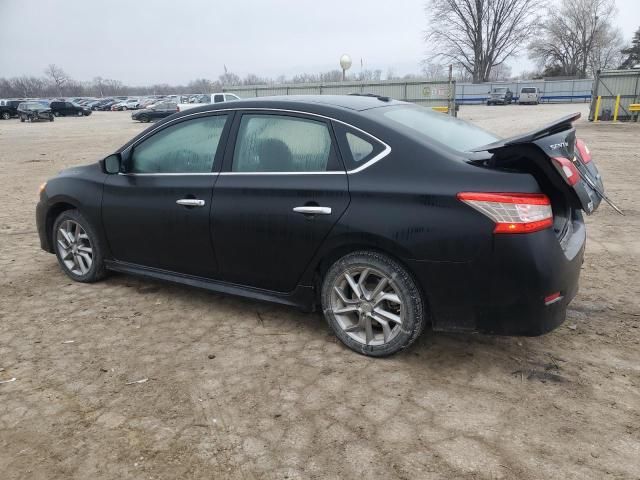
157 214
282 189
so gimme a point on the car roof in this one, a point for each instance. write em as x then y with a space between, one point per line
322 104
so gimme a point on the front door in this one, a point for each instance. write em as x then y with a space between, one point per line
157 213
282 190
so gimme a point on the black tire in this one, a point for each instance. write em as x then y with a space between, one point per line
97 270
51 118
414 319
80 113
56 114
6 115
22 118
144 118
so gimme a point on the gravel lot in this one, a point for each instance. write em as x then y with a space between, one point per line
239 389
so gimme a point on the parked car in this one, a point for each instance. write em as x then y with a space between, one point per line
97 104
199 100
500 95
155 112
529 95
66 109
381 214
9 108
108 104
31 111
131 104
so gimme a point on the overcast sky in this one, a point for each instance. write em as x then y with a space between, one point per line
174 41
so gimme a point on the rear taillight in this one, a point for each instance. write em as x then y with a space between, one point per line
177 108
567 169
585 154
512 212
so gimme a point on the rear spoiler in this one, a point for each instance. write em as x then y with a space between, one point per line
560 125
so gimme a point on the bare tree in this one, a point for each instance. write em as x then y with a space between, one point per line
479 34
500 72
57 76
607 50
199 85
229 78
576 38
433 71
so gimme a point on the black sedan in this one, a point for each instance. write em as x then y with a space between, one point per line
155 112
31 111
384 215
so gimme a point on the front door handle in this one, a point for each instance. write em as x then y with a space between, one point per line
313 210
190 202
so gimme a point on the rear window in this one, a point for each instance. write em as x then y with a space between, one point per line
499 90
452 132
528 90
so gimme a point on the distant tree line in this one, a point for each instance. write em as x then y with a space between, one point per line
57 83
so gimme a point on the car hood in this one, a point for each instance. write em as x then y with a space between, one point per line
82 171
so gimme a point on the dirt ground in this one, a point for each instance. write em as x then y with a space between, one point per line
243 390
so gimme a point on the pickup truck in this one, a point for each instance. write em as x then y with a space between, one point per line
206 99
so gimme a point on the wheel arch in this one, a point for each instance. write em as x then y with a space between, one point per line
53 212
332 253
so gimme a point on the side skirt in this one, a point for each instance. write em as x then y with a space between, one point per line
302 297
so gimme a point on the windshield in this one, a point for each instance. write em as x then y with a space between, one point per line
454 133
32 106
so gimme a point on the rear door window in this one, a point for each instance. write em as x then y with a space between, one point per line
277 143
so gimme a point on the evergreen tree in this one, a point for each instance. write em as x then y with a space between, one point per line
632 53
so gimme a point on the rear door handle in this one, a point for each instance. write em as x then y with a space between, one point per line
313 210
190 202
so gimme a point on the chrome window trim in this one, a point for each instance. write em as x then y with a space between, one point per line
171 174
386 151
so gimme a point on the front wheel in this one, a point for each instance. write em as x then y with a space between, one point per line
77 247
6 115
57 114
22 118
372 304
124 108
80 113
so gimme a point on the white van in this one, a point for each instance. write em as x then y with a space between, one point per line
529 95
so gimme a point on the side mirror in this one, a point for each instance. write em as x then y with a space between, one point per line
112 163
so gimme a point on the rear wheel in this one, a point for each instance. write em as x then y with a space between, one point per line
6 115
372 304
80 113
57 114
77 247
145 118
124 108
22 118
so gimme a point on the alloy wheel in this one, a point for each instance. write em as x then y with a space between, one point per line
367 306
74 247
